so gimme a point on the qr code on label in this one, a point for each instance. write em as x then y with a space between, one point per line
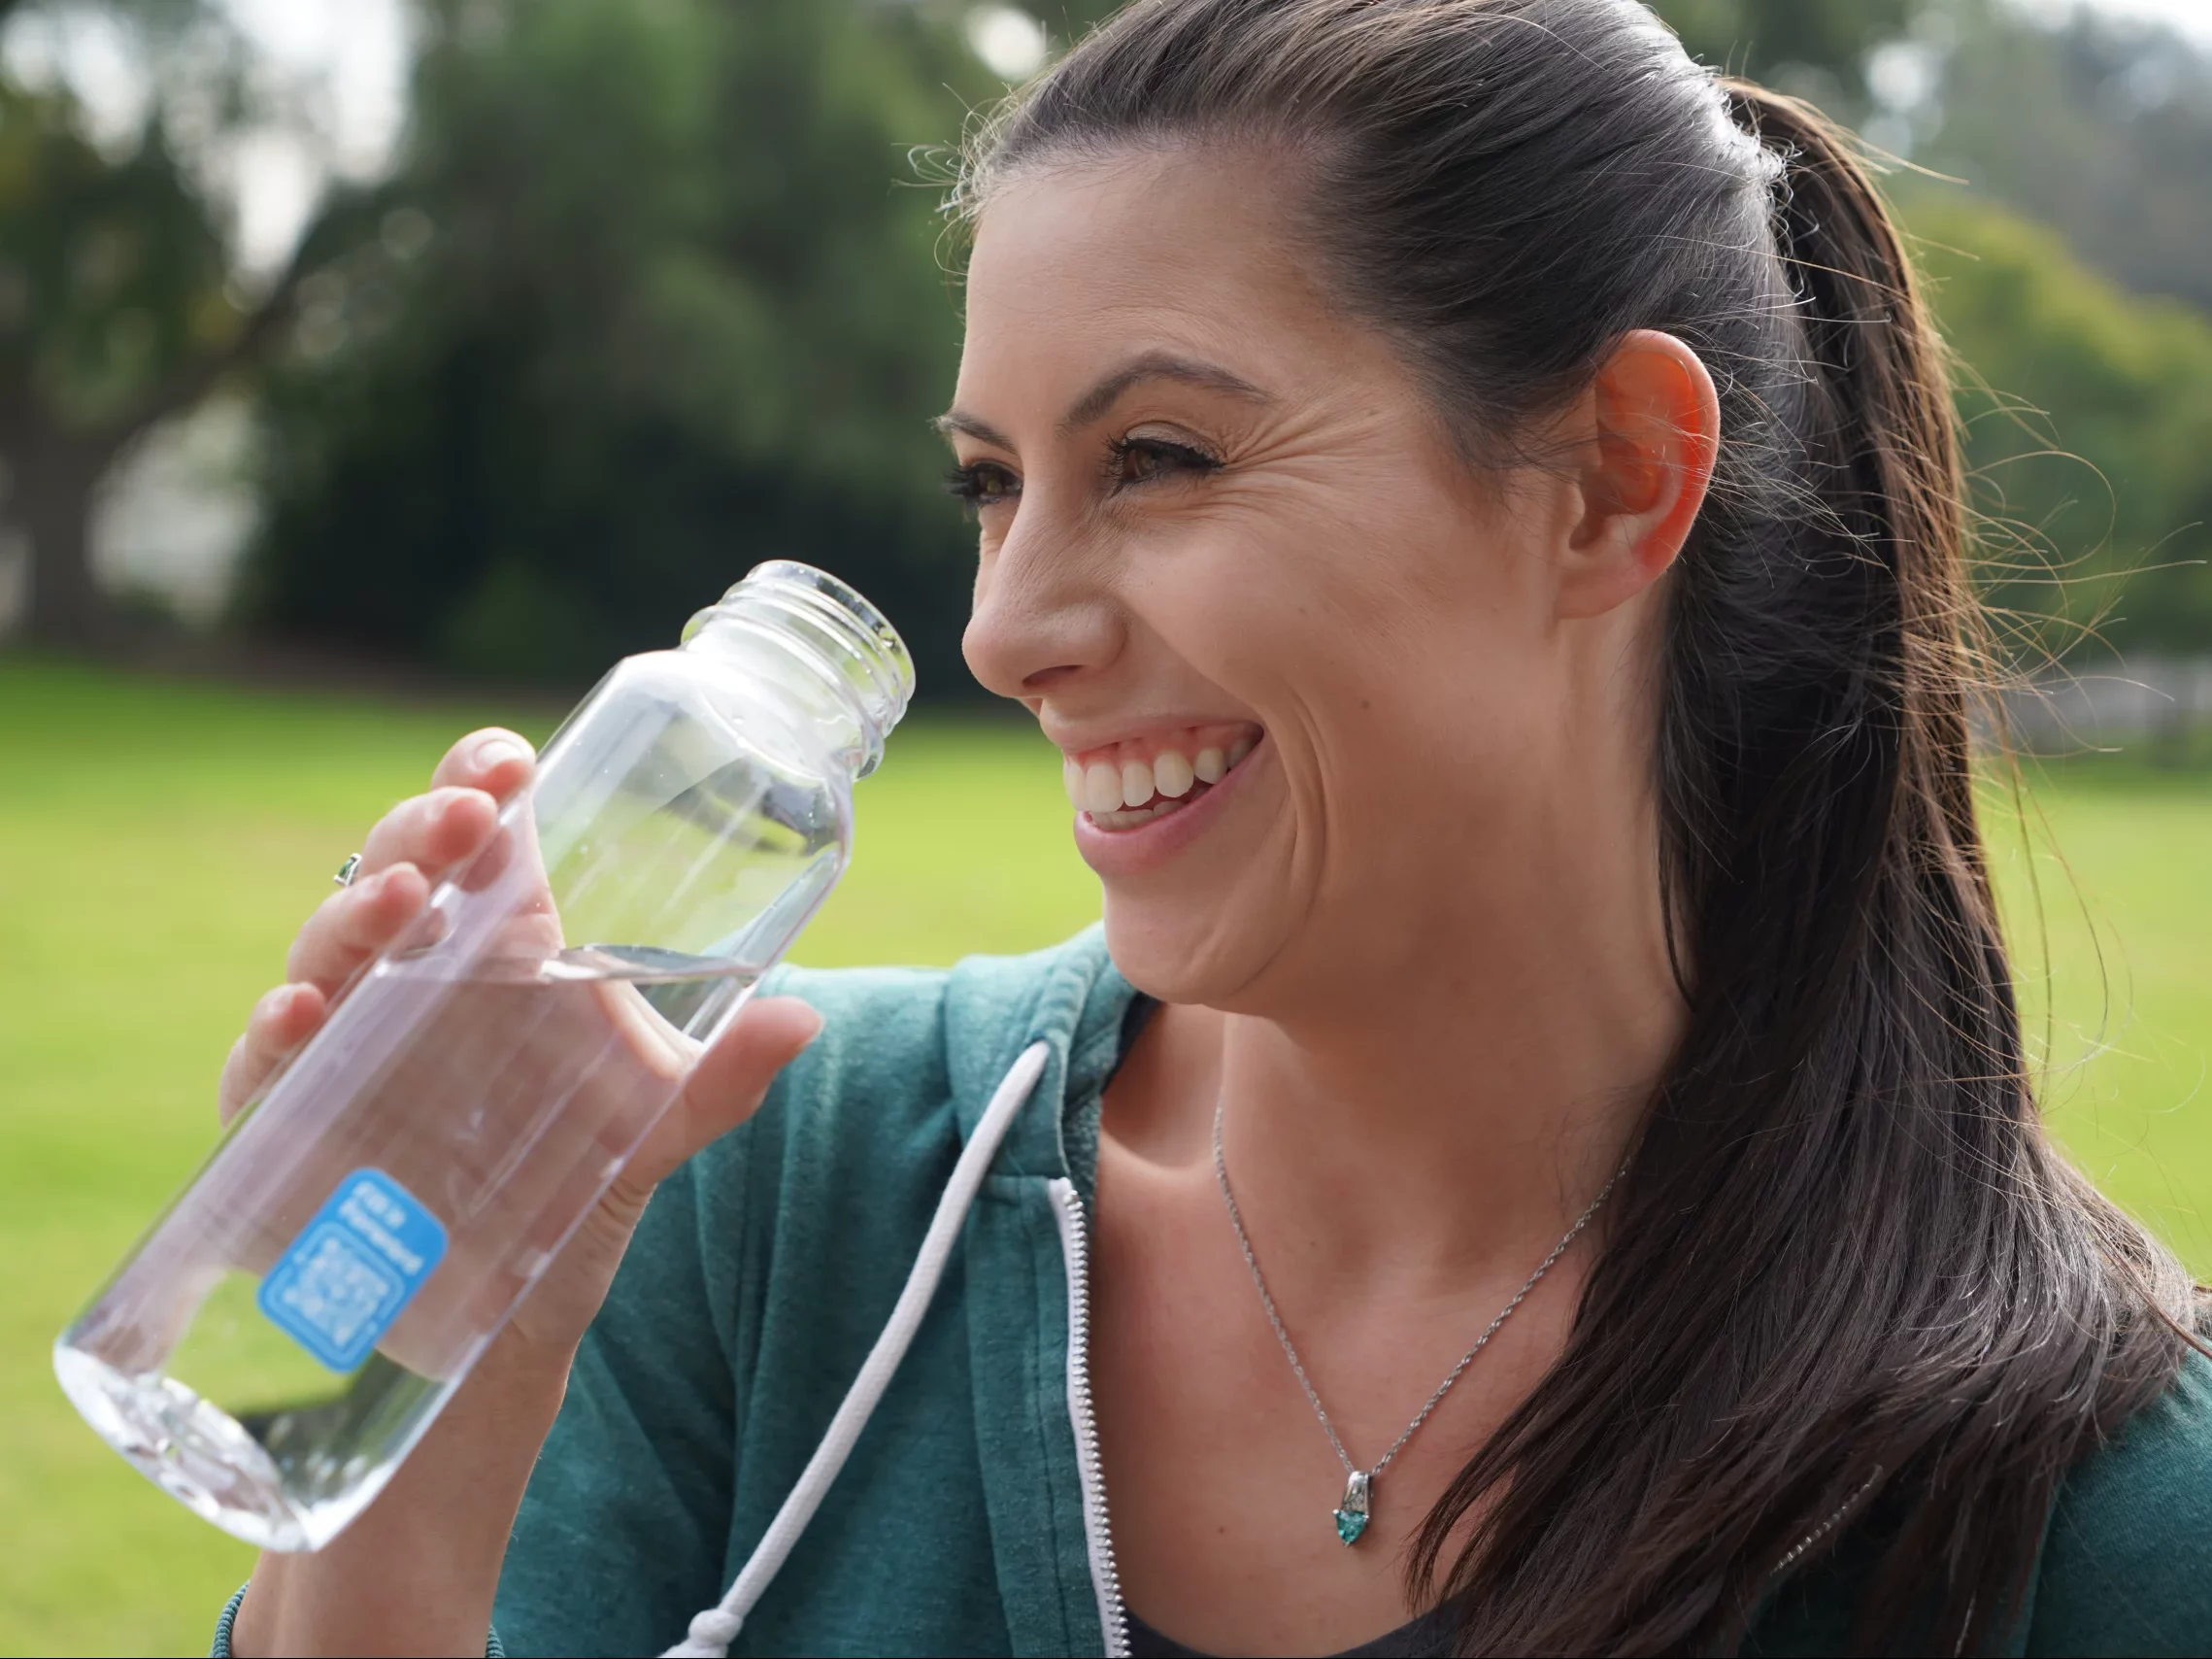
354 1268
337 1289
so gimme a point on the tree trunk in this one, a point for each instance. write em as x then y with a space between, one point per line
51 500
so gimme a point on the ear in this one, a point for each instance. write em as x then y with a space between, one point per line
1650 429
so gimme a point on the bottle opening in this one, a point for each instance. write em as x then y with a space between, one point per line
831 625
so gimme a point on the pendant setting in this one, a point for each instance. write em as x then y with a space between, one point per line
1351 1514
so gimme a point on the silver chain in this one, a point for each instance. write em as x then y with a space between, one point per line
1290 1351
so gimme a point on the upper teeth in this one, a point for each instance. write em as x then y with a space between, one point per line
1101 787
1111 784
1173 773
1137 783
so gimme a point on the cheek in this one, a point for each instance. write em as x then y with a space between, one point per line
1416 622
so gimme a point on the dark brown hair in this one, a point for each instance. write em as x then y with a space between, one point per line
1851 1296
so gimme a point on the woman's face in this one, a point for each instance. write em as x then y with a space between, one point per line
1221 528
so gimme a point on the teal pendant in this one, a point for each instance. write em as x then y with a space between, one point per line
1351 1514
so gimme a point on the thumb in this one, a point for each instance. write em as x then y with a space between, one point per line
728 1083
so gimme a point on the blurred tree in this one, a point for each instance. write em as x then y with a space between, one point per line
647 304
116 303
1780 40
2088 413
1753 37
2101 127
2097 121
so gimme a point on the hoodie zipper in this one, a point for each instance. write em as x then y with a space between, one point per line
1097 1527
1805 1543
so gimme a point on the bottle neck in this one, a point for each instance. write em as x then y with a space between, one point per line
826 650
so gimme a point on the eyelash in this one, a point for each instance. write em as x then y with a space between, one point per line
966 486
1186 456
972 485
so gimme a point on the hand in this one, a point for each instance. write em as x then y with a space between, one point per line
417 1573
614 1053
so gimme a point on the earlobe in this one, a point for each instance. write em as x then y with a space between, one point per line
1652 436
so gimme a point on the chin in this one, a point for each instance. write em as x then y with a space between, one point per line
1177 953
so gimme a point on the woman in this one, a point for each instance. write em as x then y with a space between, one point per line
1539 1159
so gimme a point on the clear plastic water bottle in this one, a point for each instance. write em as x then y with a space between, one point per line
289 1327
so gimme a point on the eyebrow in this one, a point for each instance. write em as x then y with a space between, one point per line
956 421
1157 365
1153 365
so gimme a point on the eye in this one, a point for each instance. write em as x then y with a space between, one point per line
1146 460
982 483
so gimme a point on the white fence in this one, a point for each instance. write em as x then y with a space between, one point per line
2153 705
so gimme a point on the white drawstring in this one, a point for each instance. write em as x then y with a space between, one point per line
715 1629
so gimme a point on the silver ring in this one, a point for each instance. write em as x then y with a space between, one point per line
347 870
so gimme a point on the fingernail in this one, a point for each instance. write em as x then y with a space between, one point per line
813 1015
380 884
498 752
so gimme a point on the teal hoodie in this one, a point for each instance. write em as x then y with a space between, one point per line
970 1517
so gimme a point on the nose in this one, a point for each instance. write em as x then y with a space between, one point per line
1039 622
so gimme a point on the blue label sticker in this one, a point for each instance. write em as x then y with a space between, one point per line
353 1269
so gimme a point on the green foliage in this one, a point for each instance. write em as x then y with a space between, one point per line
650 304
2088 413
1766 38
111 273
2102 127
1753 37
115 299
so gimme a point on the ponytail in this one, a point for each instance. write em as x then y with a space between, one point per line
1946 1435
1896 483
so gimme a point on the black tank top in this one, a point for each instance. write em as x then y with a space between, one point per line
1429 1637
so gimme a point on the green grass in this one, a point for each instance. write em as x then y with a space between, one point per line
2108 891
159 843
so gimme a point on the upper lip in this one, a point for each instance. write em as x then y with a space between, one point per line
1082 738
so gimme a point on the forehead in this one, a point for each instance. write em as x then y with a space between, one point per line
1178 249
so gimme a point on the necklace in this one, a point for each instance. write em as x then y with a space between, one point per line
1350 1514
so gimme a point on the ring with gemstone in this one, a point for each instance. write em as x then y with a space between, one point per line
347 870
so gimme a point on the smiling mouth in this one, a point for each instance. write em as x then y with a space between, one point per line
1124 785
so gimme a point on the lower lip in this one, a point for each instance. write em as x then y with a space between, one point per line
1131 852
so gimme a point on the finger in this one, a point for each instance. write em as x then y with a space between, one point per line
725 1087
499 762
494 760
280 1020
353 925
434 833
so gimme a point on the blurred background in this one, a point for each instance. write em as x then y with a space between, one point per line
370 370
